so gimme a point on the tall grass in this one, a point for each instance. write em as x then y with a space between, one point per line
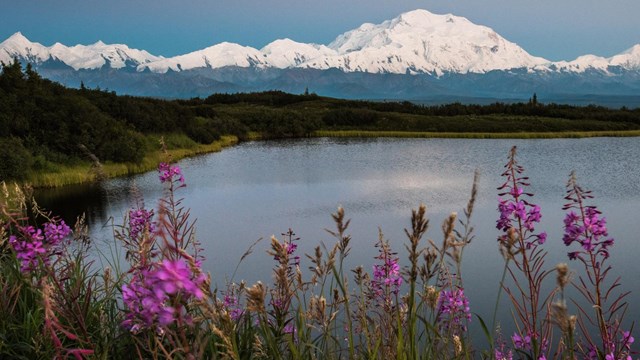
178 147
55 303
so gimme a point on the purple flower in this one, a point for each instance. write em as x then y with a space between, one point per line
290 246
31 248
168 172
521 342
139 222
386 276
55 232
156 296
453 309
586 227
515 211
289 329
542 237
173 276
232 305
141 303
500 355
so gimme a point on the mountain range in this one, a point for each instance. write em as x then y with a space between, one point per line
415 56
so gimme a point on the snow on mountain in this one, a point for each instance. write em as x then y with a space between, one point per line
97 55
629 59
414 42
286 53
78 57
580 65
422 42
217 56
17 45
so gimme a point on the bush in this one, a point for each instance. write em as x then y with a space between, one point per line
15 159
202 130
350 118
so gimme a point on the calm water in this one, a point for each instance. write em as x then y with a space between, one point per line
258 189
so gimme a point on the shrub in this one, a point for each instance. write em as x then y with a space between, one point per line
15 159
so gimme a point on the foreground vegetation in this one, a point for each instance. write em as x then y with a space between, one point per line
51 135
55 303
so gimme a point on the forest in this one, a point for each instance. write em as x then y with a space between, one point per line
44 124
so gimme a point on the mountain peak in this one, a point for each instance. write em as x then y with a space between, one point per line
420 17
629 59
634 50
423 42
18 37
18 46
17 41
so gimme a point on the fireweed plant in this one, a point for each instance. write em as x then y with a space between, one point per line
521 246
585 230
55 304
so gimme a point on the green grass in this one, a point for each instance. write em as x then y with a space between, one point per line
474 135
178 147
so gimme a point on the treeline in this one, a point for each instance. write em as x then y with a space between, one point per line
43 123
531 108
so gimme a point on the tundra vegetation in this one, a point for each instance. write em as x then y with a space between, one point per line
51 135
410 304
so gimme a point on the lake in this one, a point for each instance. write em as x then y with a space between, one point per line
258 189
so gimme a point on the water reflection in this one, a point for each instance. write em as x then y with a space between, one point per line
69 202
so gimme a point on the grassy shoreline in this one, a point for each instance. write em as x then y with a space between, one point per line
69 175
474 135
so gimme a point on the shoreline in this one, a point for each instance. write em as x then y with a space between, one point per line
83 174
474 135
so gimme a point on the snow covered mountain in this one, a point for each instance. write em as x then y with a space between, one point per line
217 56
422 42
286 53
627 60
416 42
281 54
18 46
415 55
78 57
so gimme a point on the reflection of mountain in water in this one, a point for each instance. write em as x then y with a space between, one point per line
70 202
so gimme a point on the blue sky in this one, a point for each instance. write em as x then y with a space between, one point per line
554 29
